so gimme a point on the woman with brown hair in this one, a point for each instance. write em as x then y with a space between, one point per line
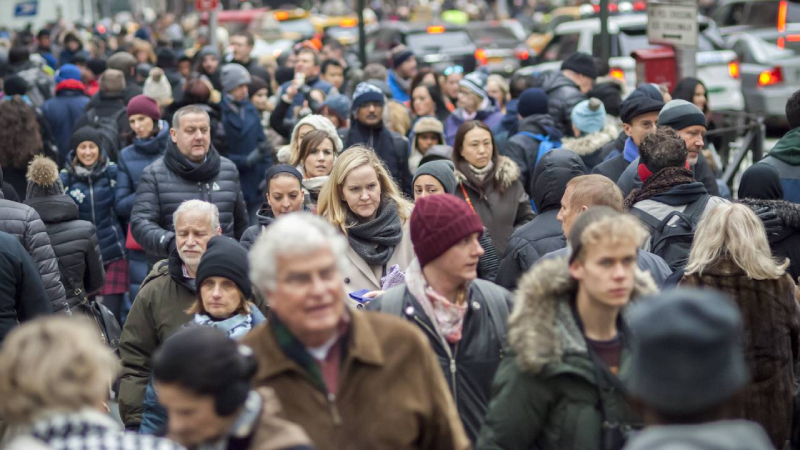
20 141
490 183
315 162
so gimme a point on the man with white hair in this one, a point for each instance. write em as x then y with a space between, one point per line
160 307
342 374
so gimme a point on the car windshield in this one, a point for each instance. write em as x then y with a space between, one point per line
428 42
633 39
303 27
483 36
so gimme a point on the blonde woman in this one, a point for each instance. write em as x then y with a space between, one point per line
731 254
55 377
361 199
497 88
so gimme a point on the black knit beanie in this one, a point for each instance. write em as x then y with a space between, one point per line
83 134
225 258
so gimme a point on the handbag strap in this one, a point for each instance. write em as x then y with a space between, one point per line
466 197
69 284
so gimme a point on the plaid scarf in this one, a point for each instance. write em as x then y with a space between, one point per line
659 183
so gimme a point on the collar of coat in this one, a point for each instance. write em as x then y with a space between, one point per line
541 329
586 145
506 172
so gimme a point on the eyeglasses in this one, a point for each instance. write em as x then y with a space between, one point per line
453 69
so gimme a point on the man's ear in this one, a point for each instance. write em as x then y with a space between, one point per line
173 135
626 127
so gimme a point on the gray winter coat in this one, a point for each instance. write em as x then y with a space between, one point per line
562 95
722 435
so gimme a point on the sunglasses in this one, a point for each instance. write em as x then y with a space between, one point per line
453 69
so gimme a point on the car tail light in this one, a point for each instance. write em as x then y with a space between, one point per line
281 15
770 77
617 73
436 29
480 57
522 54
612 7
733 69
639 6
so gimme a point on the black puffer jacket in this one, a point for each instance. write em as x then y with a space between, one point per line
23 222
170 181
74 242
468 366
543 234
523 149
562 96
22 296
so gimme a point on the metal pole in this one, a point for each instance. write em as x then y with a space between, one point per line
212 27
362 33
605 38
687 56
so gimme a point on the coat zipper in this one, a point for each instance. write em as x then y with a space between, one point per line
337 419
91 200
450 355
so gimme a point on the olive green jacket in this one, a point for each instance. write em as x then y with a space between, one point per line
546 396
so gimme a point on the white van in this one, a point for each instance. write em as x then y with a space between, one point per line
16 14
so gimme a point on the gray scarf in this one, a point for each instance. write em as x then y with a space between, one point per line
374 241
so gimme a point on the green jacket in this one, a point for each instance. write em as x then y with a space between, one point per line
156 314
546 396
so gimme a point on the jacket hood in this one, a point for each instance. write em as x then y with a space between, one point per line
506 172
586 145
265 215
681 194
554 79
540 124
541 329
722 435
54 208
551 176
786 149
155 145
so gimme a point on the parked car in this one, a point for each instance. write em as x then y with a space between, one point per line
437 46
717 66
500 45
736 16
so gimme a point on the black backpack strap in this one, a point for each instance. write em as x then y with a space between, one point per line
651 221
695 209
495 297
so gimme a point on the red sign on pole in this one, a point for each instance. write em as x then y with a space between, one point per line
205 5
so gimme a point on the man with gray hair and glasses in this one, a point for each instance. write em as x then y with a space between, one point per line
160 307
351 378
191 168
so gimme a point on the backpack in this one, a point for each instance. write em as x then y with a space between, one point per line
671 238
545 144
39 85
108 126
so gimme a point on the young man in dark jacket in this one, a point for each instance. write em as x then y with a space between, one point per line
22 296
63 110
109 102
785 155
558 389
543 234
567 87
471 342
367 128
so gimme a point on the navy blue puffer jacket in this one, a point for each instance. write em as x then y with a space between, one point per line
94 195
133 159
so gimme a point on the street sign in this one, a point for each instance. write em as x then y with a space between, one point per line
672 23
26 8
205 5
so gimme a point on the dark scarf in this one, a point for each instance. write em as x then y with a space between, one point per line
663 181
374 241
205 171
379 138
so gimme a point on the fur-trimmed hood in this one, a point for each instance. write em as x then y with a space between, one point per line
586 145
506 172
541 328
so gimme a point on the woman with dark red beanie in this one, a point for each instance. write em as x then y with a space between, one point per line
150 140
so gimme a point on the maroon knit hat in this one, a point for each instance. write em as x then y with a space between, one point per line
144 105
439 222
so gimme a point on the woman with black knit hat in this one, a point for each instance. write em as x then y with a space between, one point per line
284 194
74 241
89 179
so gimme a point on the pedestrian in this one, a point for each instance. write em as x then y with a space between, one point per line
690 408
166 63
63 110
689 123
44 47
22 140
106 112
509 124
74 241
617 146
586 191
191 168
242 44
536 135
258 91
568 335
223 302
426 101
428 132
463 318
247 144
22 296
72 45
731 254
567 87
368 129
204 378
449 83
490 183
207 66
332 72
89 180
331 367
126 63
40 84
639 116
157 86
403 69
288 153
785 154
65 404
306 78
592 132
473 104
201 94
284 195
669 189
497 89
438 177
361 200
315 162
543 234
694 91
760 187
336 108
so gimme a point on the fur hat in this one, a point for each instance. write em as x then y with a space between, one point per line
43 179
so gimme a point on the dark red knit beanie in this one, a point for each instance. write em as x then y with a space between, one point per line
144 105
438 223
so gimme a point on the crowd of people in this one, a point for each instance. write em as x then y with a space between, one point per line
299 253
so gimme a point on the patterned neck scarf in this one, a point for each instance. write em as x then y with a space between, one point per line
447 317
